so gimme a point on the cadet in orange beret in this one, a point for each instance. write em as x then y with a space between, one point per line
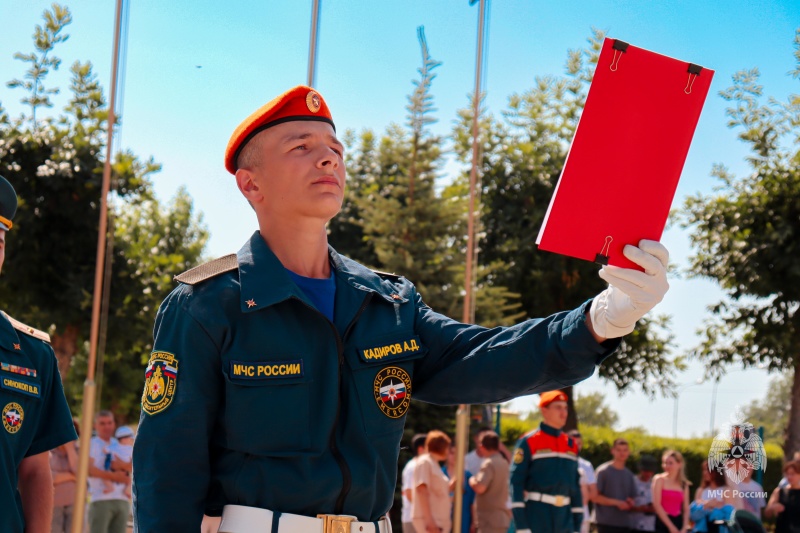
545 484
281 375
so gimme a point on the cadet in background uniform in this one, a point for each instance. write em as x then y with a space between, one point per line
545 484
280 376
35 415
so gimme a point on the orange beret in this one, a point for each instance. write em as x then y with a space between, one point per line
546 398
299 103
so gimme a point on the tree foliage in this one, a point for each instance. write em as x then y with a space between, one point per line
592 410
772 412
523 152
746 237
56 164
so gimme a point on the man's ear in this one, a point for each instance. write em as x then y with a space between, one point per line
247 182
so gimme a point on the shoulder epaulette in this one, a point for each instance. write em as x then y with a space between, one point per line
208 270
388 275
24 328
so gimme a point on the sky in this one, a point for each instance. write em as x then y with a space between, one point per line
194 70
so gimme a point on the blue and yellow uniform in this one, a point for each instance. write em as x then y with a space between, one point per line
545 489
35 415
253 397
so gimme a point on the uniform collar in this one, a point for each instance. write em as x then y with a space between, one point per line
550 430
265 282
8 335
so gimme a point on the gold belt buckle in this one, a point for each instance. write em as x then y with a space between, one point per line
333 523
559 501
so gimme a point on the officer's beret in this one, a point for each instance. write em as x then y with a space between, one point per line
300 103
8 204
546 398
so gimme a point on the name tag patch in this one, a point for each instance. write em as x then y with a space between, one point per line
392 350
267 369
25 387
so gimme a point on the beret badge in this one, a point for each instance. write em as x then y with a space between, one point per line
313 102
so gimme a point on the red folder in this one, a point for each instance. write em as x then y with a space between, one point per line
627 155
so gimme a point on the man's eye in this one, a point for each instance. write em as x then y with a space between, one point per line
300 147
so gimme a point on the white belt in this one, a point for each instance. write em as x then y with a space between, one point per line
556 501
241 519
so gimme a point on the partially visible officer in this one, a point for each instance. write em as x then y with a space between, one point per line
36 418
545 484
280 376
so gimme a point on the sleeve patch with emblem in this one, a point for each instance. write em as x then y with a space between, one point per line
519 456
161 378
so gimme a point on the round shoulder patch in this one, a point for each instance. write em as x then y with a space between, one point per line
519 455
392 389
12 417
161 378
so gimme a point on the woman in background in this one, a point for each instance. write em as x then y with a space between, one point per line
785 501
64 466
432 506
671 494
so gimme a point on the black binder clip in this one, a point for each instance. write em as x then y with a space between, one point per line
602 257
620 47
694 71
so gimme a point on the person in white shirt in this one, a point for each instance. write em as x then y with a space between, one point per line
108 511
407 488
588 480
752 500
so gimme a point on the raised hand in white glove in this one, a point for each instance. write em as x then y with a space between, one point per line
630 293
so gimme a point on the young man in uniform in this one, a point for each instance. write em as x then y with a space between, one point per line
545 484
281 375
35 414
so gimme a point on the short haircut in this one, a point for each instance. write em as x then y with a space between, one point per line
621 442
792 465
105 413
417 442
489 440
437 442
250 155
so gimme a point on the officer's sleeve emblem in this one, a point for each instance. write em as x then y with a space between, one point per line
519 456
161 378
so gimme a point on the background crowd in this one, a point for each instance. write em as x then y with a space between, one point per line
108 505
654 496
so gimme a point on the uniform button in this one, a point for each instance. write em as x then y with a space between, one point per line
396 296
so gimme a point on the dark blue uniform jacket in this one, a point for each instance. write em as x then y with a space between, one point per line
257 399
35 415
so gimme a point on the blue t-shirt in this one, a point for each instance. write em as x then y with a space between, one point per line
321 292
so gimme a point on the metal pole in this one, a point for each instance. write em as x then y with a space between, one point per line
675 417
312 45
89 386
713 406
462 415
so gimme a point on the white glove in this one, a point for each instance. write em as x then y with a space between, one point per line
630 293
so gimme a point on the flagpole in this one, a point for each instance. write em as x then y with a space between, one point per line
89 386
313 44
462 415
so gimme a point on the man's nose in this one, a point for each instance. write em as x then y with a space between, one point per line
327 158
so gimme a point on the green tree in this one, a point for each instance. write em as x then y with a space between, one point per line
591 409
746 237
56 168
773 411
45 38
523 153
